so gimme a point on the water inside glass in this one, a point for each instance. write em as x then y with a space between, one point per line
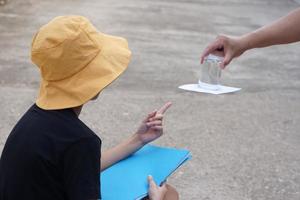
210 73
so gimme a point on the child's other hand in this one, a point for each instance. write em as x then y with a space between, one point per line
156 192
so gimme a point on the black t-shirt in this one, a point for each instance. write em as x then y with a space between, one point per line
50 155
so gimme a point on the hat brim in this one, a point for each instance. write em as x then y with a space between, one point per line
76 90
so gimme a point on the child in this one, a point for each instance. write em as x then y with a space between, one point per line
50 153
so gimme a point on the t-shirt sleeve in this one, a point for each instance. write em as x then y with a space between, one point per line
82 170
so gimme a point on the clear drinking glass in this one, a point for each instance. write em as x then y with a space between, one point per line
210 73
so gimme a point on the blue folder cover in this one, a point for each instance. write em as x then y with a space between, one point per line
127 179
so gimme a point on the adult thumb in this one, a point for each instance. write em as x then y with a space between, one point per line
227 60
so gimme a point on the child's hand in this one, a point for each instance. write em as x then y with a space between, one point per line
152 127
156 192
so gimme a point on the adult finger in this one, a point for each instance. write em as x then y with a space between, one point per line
164 108
215 46
227 60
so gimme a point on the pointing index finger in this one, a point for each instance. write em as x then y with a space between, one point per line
164 108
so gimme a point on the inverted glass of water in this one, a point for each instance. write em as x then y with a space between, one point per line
210 73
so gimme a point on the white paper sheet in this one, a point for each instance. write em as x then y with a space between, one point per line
196 88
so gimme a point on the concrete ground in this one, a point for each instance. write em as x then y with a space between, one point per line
245 146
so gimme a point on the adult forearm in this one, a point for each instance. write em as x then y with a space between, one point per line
283 31
121 151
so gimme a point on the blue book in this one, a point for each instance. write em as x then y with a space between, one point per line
127 179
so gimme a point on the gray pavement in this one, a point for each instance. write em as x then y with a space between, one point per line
245 146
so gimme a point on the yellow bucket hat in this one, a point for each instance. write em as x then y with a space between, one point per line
76 61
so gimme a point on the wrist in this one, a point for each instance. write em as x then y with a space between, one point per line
245 43
248 41
137 140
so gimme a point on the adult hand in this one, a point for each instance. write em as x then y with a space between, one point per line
227 47
156 192
152 127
